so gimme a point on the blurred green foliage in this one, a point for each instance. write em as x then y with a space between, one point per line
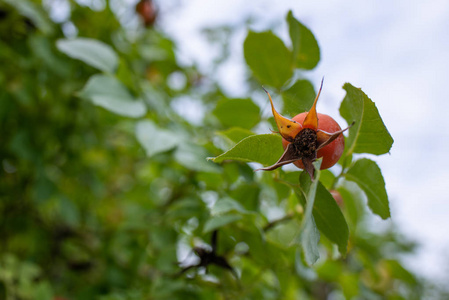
106 193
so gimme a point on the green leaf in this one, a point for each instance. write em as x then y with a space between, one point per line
329 219
237 112
306 51
327 215
154 139
291 178
193 157
298 98
126 76
350 284
263 148
109 93
398 271
185 208
327 178
309 236
369 134
283 233
247 194
220 221
225 205
330 270
93 52
268 58
211 181
353 199
34 12
261 250
236 134
366 173
302 270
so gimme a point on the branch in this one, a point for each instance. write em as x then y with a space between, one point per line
276 222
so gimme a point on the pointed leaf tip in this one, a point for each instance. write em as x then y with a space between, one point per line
368 176
369 133
306 52
263 148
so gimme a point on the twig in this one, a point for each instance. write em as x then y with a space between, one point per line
276 222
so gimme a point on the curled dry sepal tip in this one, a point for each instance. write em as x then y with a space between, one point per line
308 136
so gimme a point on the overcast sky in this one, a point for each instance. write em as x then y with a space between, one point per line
396 51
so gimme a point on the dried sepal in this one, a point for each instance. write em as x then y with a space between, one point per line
308 166
311 120
325 138
289 156
288 129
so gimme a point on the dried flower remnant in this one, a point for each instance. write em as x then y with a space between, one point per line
305 138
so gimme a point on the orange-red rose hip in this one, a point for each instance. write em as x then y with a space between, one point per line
330 153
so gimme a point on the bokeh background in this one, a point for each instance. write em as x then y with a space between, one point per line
396 51
91 198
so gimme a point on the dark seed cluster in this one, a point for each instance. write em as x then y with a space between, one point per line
305 143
